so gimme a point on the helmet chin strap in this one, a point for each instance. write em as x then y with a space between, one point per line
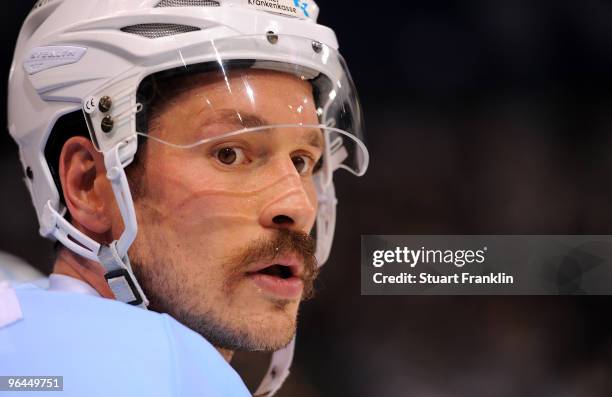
277 371
326 221
335 154
112 257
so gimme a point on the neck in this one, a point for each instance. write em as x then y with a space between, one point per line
70 264
73 265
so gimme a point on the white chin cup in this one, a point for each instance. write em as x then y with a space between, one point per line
277 371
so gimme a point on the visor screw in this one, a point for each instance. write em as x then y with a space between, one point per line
107 124
272 38
29 173
317 46
105 104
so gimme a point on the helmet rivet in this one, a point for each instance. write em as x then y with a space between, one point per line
317 46
107 123
272 38
29 173
105 104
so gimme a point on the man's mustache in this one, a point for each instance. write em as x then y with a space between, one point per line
268 249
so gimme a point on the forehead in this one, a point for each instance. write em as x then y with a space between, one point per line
232 100
254 91
221 84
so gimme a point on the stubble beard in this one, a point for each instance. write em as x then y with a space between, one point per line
171 291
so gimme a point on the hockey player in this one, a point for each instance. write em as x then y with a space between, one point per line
181 152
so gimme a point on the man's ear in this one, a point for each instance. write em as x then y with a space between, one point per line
87 192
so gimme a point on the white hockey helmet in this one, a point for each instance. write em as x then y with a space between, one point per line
83 62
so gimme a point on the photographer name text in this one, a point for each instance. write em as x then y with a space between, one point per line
439 257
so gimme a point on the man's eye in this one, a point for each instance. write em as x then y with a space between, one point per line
303 164
230 155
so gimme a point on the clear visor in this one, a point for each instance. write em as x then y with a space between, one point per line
273 91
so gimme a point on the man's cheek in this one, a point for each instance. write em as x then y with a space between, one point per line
214 207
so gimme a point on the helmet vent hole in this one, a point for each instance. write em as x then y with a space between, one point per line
157 30
187 3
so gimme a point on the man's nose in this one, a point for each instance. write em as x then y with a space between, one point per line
289 205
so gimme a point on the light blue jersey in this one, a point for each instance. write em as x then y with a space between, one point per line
107 348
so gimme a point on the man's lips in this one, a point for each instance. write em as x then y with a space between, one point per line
284 288
281 277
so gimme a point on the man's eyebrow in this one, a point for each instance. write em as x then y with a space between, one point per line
313 137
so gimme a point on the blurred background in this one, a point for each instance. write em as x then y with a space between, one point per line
483 117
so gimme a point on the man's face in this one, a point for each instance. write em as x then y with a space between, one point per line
217 219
